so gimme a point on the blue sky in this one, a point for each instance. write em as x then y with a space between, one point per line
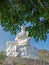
6 36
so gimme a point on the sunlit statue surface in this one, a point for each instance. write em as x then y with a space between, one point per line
21 46
22 37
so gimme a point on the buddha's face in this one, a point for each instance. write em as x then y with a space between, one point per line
22 28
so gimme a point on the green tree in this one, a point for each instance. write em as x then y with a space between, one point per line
14 13
2 56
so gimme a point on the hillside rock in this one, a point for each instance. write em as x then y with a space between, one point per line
24 61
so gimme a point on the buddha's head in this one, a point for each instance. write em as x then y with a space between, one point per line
23 28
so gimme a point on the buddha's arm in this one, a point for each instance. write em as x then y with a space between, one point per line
24 41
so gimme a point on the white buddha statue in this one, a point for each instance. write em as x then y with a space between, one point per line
21 39
21 46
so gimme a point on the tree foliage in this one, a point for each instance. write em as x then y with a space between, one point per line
14 13
2 56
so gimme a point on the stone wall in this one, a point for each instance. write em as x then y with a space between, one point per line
24 61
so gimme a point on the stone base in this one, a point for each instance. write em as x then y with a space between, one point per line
25 51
